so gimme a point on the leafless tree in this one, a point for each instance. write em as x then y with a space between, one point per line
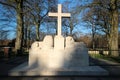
70 24
107 13
17 5
28 13
39 11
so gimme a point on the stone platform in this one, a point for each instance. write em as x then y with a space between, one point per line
58 56
25 70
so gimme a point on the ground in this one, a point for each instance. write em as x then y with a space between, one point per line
7 64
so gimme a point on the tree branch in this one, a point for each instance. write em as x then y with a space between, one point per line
7 4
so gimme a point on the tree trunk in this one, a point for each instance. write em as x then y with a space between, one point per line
71 29
93 36
25 35
113 38
19 36
28 39
37 32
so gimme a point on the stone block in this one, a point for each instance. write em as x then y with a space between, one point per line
33 52
36 46
43 58
106 52
69 42
93 52
75 57
48 42
56 59
59 42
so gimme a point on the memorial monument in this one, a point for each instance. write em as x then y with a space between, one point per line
58 56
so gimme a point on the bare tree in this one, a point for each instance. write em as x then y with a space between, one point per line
39 11
73 20
7 17
18 6
28 13
92 22
107 21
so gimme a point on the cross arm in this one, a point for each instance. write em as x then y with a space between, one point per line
52 14
66 14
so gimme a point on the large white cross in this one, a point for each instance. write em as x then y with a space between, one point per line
59 15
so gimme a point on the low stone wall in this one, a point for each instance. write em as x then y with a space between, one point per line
98 52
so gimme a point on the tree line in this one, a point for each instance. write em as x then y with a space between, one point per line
103 17
28 13
100 16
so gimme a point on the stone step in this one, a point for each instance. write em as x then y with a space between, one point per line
24 70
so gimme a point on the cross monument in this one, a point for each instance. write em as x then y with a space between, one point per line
59 14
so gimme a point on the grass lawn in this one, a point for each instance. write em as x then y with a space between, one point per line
106 57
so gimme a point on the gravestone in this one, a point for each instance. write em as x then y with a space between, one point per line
69 42
59 42
58 56
48 42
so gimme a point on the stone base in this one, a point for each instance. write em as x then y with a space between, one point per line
67 58
73 54
24 70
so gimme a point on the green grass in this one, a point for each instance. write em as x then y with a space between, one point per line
106 57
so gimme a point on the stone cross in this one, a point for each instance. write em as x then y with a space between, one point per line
59 14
